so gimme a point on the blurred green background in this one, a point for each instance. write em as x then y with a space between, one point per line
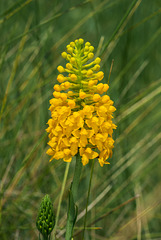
125 199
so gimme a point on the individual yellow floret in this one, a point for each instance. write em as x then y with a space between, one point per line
81 41
97 60
112 109
86 109
105 87
71 103
100 87
82 95
89 72
96 67
64 55
72 44
67 151
87 44
91 83
68 56
63 96
60 69
100 75
70 49
96 97
105 99
57 88
67 85
91 48
56 94
70 93
73 77
55 102
72 60
90 55
69 66
86 49
84 71
95 82
60 78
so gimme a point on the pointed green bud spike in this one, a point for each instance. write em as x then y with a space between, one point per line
45 220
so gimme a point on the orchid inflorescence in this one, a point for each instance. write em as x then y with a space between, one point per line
81 111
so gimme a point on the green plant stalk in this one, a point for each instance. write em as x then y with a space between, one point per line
72 210
89 188
60 199
45 238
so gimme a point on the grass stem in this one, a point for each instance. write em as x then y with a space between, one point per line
60 199
89 188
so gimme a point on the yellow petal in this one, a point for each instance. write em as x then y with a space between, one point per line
67 159
83 141
85 159
50 152
74 149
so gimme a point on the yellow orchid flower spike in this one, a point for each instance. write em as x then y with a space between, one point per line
81 111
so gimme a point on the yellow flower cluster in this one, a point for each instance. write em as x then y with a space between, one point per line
81 111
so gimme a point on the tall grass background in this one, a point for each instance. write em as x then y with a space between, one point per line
125 199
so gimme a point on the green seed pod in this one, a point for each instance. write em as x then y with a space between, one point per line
45 220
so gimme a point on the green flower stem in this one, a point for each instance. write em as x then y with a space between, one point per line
89 188
60 199
46 238
72 211
76 178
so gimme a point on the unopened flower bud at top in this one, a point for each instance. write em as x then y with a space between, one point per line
86 49
69 66
89 72
97 60
60 69
73 77
72 44
96 67
72 60
90 55
87 44
91 48
70 49
64 54
81 41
